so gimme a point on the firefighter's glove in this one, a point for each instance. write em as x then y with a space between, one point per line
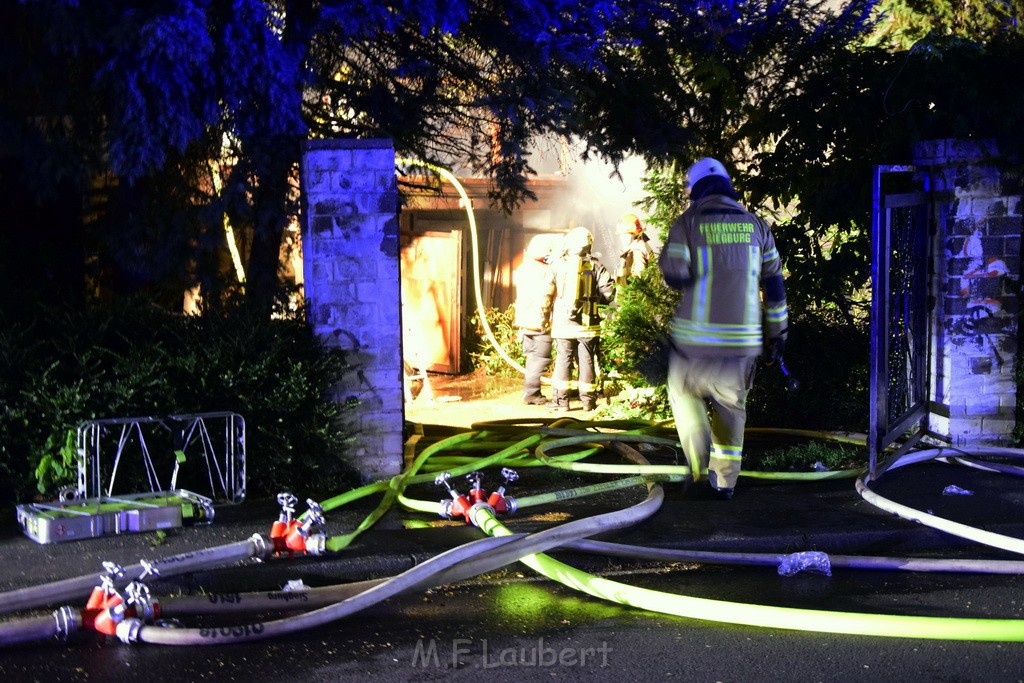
774 348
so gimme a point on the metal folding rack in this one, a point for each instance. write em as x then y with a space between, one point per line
165 471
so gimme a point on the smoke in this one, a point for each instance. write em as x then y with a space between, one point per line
595 197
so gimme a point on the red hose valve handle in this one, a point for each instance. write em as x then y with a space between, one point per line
459 505
500 504
96 613
105 608
296 539
476 493
498 501
460 508
104 621
285 524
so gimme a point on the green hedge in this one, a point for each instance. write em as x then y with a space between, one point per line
68 366
830 360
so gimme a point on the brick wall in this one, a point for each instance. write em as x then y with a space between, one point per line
353 287
977 270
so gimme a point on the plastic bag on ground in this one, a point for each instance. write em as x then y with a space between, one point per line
809 561
954 490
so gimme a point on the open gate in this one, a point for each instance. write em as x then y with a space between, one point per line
902 388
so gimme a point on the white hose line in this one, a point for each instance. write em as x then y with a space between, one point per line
263 601
909 564
555 537
1001 541
926 454
133 630
78 588
460 563
1013 470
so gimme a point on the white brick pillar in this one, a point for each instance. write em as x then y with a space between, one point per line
977 266
353 287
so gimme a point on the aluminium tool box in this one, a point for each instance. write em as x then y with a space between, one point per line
91 518
165 472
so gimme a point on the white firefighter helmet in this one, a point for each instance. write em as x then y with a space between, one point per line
704 168
540 247
629 224
578 241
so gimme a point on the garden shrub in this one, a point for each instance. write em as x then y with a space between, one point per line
70 366
830 360
803 457
635 327
485 356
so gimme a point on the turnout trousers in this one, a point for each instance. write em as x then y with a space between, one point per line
584 352
694 384
537 349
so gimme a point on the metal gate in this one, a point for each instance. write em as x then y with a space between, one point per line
901 303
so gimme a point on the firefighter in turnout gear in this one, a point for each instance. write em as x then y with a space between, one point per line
582 286
534 281
636 250
723 260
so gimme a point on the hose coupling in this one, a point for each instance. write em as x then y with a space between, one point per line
477 508
511 505
142 602
128 630
262 547
298 540
316 544
458 506
67 621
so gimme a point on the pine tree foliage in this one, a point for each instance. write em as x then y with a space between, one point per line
904 23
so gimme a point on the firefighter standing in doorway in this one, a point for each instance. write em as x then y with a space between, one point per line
534 281
636 250
722 258
582 285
